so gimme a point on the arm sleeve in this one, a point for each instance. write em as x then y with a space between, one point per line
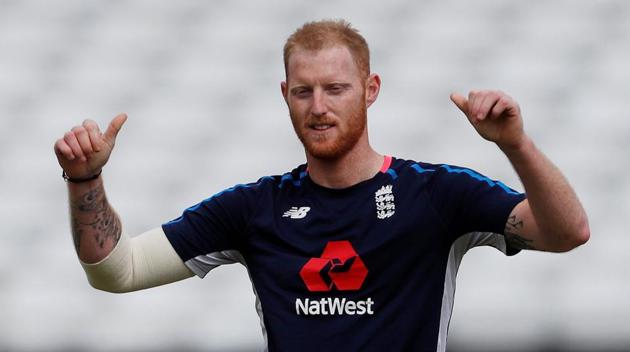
470 202
137 263
211 233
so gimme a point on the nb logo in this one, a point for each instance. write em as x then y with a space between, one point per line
296 213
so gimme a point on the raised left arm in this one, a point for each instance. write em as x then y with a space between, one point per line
551 218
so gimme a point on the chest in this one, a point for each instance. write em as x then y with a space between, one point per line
323 243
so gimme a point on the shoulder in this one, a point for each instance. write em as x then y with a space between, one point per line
425 171
264 184
434 170
454 178
441 175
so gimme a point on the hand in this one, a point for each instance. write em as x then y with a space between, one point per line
495 116
84 150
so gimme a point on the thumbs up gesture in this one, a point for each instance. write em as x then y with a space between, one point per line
495 116
84 150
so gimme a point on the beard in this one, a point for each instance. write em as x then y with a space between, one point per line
348 132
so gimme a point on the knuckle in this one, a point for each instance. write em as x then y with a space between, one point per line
78 130
89 124
61 145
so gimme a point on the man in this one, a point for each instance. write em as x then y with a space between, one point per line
353 250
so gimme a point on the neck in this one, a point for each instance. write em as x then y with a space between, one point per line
358 165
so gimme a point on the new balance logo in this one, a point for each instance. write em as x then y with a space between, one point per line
384 199
296 213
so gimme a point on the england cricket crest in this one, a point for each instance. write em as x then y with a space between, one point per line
385 206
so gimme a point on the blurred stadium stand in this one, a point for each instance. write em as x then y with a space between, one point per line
200 82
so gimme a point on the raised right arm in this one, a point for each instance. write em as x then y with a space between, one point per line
82 154
112 261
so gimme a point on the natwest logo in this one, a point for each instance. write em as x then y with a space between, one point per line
339 265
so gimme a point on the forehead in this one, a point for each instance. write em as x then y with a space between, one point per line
327 64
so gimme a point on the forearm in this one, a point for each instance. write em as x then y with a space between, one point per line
557 212
137 263
96 227
110 263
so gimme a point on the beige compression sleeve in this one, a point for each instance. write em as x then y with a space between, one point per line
137 263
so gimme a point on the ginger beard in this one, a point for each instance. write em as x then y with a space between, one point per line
331 145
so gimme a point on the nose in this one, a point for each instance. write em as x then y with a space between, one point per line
319 103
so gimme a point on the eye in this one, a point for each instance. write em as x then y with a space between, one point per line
302 92
336 89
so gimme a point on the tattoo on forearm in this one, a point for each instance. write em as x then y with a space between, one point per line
513 227
94 200
91 214
76 233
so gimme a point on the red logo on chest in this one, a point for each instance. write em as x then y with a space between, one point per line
339 265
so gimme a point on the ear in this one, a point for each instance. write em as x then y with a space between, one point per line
285 90
372 87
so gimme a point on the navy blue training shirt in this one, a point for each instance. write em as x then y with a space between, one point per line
370 267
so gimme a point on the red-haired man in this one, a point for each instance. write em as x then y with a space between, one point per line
354 250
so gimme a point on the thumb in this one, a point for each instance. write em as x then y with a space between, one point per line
461 102
114 127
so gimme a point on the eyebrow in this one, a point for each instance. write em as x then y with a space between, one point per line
341 84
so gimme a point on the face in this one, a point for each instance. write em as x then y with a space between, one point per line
328 99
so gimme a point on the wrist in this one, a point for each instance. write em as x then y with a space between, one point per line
521 146
70 179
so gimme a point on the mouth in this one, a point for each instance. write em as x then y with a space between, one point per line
320 126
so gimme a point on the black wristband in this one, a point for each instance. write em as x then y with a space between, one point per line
79 180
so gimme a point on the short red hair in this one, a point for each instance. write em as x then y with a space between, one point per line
328 33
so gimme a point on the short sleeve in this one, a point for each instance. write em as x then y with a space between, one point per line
210 233
470 202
